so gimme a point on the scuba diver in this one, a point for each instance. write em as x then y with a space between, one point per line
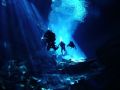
62 45
71 44
50 38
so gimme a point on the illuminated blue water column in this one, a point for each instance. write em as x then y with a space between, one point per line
63 20
3 2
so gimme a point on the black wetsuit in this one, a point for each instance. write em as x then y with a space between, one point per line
71 44
50 38
62 44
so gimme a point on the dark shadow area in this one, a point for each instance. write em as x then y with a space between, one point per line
100 25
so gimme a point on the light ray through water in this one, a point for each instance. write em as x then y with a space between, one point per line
63 20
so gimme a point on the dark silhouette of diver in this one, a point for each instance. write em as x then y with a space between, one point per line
62 45
50 38
71 44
